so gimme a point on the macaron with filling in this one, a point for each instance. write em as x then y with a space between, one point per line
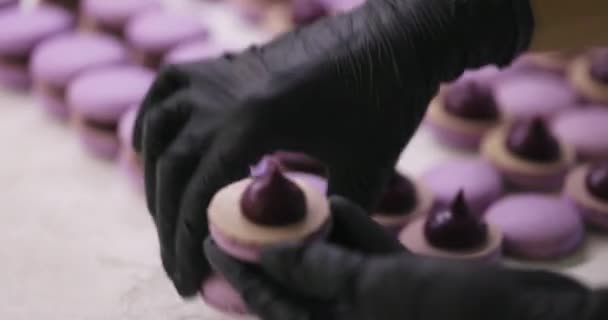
403 201
154 33
462 113
454 233
524 96
112 16
537 226
528 155
55 62
587 189
21 29
583 129
195 51
266 209
588 74
99 98
479 180
130 162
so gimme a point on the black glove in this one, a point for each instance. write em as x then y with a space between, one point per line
321 281
349 90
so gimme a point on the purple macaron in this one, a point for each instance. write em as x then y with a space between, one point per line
113 16
154 33
523 96
480 181
129 161
195 51
99 98
57 61
21 29
588 74
585 130
587 189
220 295
537 226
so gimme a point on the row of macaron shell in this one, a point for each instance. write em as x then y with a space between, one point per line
572 103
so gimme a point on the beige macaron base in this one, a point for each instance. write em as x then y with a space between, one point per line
494 148
439 115
424 203
414 239
226 215
555 61
575 188
580 78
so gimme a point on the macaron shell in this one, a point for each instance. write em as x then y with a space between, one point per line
59 59
413 238
22 29
219 294
594 210
116 13
480 181
581 80
537 226
105 94
160 30
581 128
525 96
195 51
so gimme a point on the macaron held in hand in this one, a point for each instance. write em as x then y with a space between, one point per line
203 124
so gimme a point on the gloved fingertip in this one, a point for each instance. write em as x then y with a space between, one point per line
283 256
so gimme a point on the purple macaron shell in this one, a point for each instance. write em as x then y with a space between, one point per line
593 217
583 129
537 226
21 29
14 77
251 252
103 146
219 294
58 60
160 30
454 138
116 13
107 93
195 51
525 96
480 181
487 74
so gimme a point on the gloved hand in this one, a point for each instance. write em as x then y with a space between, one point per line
349 90
322 281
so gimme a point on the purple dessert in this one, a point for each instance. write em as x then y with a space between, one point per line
402 201
268 208
112 16
598 68
532 141
59 60
463 112
480 181
537 226
298 165
195 51
587 189
457 228
581 128
154 33
21 30
454 233
307 11
272 199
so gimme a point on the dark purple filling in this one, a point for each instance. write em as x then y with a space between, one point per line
307 11
531 140
597 180
599 66
273 200
472 100
457 228
399 198
295 161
